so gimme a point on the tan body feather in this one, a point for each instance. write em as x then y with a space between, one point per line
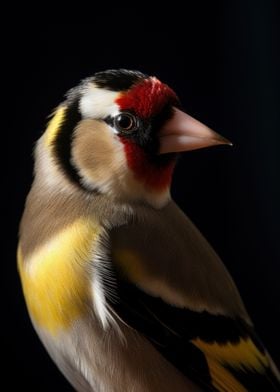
56 264
60 299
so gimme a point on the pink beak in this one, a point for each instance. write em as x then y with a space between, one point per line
184 133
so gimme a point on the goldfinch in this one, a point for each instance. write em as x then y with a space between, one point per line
123 290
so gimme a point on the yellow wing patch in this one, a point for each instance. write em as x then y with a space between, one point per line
241 355
55 278
223 380
54 125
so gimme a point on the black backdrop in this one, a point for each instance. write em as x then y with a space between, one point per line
222 60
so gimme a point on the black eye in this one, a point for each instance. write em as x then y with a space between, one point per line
125 122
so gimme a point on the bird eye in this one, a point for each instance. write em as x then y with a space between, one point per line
125 122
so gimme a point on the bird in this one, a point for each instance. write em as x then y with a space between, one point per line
123 290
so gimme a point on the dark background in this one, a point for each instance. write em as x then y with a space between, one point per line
222 58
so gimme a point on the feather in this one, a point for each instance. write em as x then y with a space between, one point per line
202 330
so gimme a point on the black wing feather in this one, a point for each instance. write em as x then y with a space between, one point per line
171 330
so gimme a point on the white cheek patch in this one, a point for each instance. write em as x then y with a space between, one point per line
98 103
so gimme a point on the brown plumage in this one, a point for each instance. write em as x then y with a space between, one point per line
123 290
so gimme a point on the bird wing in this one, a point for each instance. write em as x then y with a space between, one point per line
172 288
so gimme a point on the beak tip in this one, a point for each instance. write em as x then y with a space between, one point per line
223 140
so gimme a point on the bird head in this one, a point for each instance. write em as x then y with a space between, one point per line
119 133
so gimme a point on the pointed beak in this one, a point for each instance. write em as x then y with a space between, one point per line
184 133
